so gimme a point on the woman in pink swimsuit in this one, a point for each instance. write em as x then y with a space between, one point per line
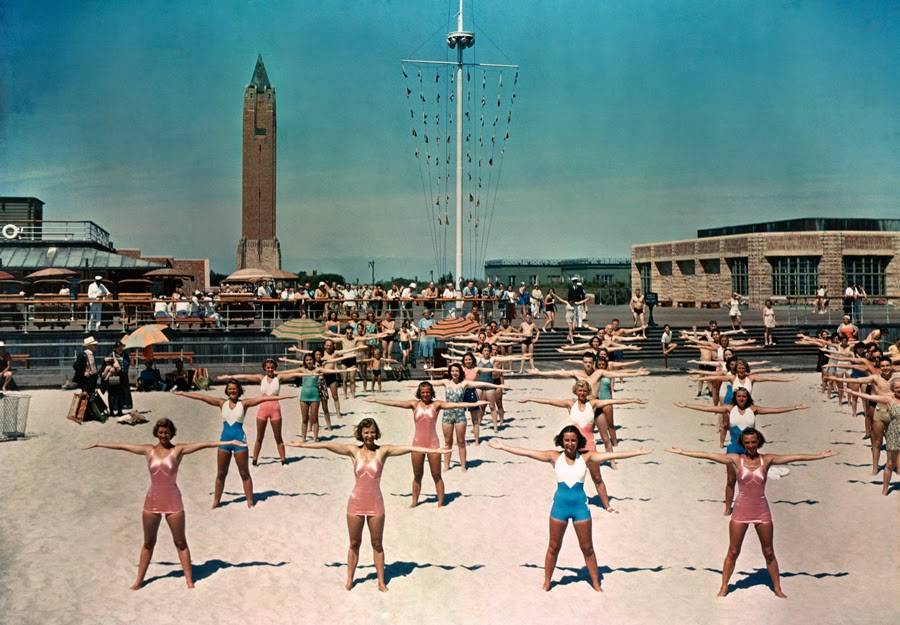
425 415
581 412
751 505
366 504
163 498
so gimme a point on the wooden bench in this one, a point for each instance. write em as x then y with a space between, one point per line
187 357
26 358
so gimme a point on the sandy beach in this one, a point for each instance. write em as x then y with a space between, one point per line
71 524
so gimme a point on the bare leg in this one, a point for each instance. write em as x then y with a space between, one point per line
434 462
327 415
176 523
447 428
257 445
557 530
736 532
460 429
333 387
279 441
150 521
888 472
610 424
314 420
355 527
476 424
765 531
418 467
583 531
600 486
223 458
240 459
376 533
603 428
304 420
730 479
877 438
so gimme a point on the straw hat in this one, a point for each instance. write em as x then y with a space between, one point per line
89 341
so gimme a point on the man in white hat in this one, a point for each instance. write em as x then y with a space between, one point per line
407 296
96 292
6 372
86 367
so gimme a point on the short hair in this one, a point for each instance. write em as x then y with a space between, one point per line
422 385
165 423
469 354
590 355
450 370
558 440
888 358
368 422
895 382
739 390
746 364
268 360
240 387
751 431
581 384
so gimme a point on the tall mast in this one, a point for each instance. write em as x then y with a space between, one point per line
460 40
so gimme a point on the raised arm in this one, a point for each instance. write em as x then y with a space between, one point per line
881 399
788 458
212 401
626 374
399 450
720 458
140 450
188 448
259 399
443 405
600 403
534 454
558 373
240 377
601 456
473 384
397 403
778 409
773 378
559 403
342 449
703 407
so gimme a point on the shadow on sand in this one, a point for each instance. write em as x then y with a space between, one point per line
264 495
760 577
402 569
209 568
580 574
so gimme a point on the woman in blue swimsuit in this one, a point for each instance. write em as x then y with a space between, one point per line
232 410
569 501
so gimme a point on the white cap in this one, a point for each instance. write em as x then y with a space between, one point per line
98 277
412 285
321 284
89 341
2 344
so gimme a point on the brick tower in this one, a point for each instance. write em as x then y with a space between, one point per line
259 246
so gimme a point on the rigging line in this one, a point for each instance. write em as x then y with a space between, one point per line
491 168
501 159
431 210
446 110
418 159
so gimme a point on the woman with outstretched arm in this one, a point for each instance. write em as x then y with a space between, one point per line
366 504
569 501
163 498
751 506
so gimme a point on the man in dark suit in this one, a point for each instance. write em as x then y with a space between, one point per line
86 367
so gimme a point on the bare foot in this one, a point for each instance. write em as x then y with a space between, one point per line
349 585
136 585
611 509
875 470
546 585
382 587
596 586
780 594
215 505
727 510
190 584
722 591
885 489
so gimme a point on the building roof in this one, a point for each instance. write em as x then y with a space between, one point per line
38 256
260 79
805 224
565 262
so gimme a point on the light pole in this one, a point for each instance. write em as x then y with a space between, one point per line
372 267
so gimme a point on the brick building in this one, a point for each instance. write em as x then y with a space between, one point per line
779 259
259 246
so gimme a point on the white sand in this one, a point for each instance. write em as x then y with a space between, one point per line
71 526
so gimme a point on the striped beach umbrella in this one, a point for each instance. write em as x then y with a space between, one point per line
145 336
299 330
448 328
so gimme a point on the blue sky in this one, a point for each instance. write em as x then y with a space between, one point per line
634 121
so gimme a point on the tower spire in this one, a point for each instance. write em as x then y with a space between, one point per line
260 79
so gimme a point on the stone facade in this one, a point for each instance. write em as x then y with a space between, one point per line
196 268
698 272
259 245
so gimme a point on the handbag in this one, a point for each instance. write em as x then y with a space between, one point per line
97 408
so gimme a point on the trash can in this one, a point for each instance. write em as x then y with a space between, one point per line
13 415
